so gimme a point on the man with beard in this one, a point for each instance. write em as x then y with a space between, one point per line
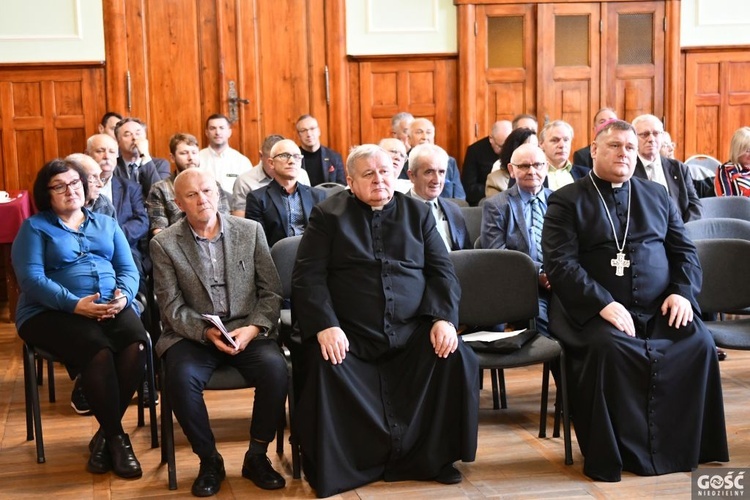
162 208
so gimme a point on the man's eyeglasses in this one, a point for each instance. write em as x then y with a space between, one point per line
526 166
645 135
63 187
288 156
396 153
95 181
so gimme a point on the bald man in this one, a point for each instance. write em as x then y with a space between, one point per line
422 131
283 206
479 159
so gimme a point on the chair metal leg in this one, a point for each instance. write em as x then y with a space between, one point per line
151 382
27 380
32 392
558 413
543 406
503 394
565 411
495 389
51 380
167 436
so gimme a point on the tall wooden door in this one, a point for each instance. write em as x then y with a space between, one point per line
506 54
568 66
633 59
175 63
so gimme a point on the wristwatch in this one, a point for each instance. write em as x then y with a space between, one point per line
441 319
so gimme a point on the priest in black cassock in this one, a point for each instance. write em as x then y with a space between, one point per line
645 384
390 392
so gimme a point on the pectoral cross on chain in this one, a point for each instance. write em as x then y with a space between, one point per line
620 263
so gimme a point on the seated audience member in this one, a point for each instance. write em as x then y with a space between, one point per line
428 164
125 195
422 131
283 206
733 177
513 219
161 205
479 159
400 123
396 149
94 202
258 176
583 156
78 281
673 175
390 392
555 140
108 123
321 163
135 162
667 146
645 386
224 163
499 179
525 121
239 285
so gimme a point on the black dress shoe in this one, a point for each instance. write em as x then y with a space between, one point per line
258 469
449 475
721 353
99 461
124 462
210 476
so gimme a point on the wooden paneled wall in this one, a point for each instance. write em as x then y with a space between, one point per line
717 99
182 56
46 111
425 86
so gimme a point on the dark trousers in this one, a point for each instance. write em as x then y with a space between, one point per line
189 365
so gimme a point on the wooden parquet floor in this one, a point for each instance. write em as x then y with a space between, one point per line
512 462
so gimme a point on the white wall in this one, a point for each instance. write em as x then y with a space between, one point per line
429 26
715 22
400 27
51 31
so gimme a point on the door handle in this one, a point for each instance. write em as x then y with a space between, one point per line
234 102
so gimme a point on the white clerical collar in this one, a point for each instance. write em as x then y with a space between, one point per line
617 185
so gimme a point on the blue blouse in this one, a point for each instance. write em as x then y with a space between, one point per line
57 266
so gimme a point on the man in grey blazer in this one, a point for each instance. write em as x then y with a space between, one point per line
508 218
218 264
428 167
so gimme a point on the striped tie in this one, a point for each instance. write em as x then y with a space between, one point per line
537 220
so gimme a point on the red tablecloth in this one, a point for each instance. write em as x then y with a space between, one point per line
12 215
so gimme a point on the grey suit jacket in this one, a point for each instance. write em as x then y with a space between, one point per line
503 224
182 288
